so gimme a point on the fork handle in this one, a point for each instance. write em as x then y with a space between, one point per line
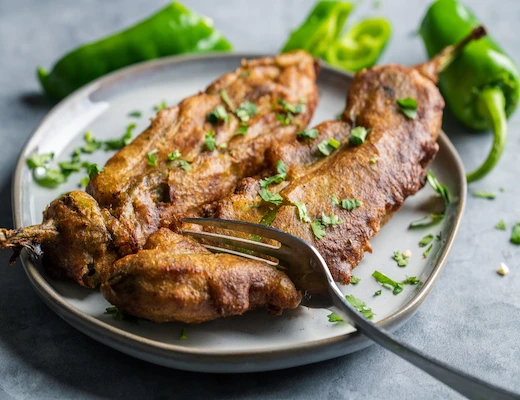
467 385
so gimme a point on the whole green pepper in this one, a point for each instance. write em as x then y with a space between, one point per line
482 86
320 29
361 46
172 30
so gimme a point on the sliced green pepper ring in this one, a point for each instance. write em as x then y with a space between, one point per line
361 46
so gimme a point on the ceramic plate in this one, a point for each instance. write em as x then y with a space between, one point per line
255 341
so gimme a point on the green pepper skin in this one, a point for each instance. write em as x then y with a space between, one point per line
172 30
320 29
480 66
361 46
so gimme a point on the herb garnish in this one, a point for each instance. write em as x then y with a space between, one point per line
302 211
218 114
400 259
408 107
245 111
135 114
373 160
358 135
501 225
347 204
242 130
39 160
360 306
91 144
68 167
174 155
210 140
93 170
333 317
274 198
161 106
318 229
443 191
49 178
378 293
117 144
411 280
308 133
279 177
330 220
386 281
354 280
515 234
327 146
427 251
184 336
118 316
84 181
151 156
226 99
244 74
285 119
184 165
484 195
425 241
291 108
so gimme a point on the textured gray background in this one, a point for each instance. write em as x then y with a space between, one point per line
471 319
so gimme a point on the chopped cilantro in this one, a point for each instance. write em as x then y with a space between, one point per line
347 204
400 259
378 293
135 114
501 225
302 211
441 189
245 111
408 107
84 181
427 251
151 156
274 198
68 167
242 130
161 106
39 160
183 334
91 144
244 74
93 170
330 220
515 234
373 160
386 281
484 195
49 178
285 119
174 155
279 177
360 306
327 146
425 241
411 280
226 99
334 318
308 133
118 316
318 229
429 220
117 144
209 140
218 114
358 135
354 280
291 108
184 165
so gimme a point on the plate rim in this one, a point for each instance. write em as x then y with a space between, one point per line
189 358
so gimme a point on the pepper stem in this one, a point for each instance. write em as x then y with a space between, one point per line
441 61
491 105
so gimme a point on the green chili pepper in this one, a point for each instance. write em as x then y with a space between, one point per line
172 30
320 29
482 86
361 46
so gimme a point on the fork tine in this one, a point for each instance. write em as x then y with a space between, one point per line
264 248
238 253
256 229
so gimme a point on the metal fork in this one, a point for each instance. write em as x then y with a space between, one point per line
307 269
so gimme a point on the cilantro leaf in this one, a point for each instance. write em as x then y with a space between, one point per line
242 130
373 160
350 204
330 220
386 281
411 280
400 259
327 146
515 234
334 318
174 155
93 170
91 144
425 241
225 98
39 160
308 133
281 168
427 251
378 293
501 225
318 229
49 178
291 108
117 144
68 167
441 189
274 198
360 306
245 111
218 114
429 220
151 156
354 280
184 336
408 107
184 165
484 195
84 181
161 106
302 211
358 135
209 140
135 114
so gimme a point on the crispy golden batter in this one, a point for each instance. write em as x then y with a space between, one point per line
176 279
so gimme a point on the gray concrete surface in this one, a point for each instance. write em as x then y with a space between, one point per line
471 320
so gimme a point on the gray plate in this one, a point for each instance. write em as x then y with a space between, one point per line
255 341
